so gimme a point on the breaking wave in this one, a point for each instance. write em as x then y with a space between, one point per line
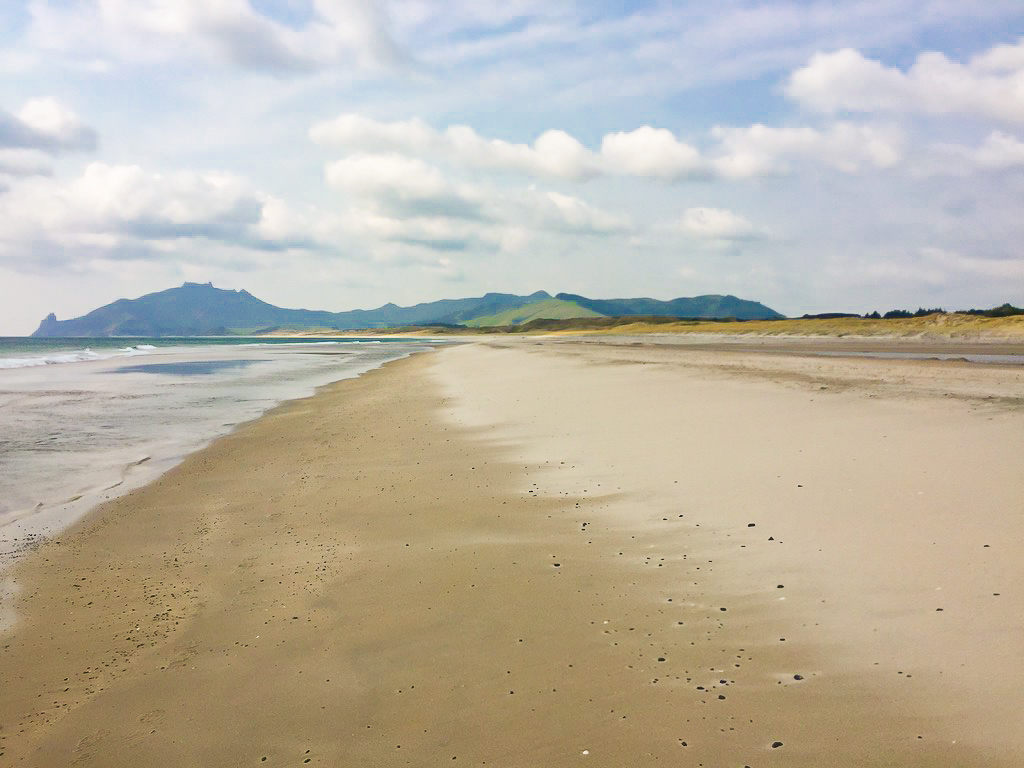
73 356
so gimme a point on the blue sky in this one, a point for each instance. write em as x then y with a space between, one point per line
338 154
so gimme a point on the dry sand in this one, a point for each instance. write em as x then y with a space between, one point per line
553 553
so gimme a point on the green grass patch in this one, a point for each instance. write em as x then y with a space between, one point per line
545 309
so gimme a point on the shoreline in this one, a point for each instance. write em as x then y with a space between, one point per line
446 587
53 510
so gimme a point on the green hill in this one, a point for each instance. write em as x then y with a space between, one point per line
546 309
195 309
707 306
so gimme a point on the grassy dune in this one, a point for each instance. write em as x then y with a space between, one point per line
950 326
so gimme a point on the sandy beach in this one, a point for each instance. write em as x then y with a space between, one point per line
534 552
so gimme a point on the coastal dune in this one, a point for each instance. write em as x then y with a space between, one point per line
542 552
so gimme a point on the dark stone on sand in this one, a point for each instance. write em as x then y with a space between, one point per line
798 677
776 744
750 525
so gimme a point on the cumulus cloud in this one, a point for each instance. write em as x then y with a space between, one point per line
1000 58
649 151
403 185
990 85
760 149
996 152
391 206
389 236
127 199
392 174
366 133
999 151
567 213
714 224
231 31
645 151
394 199
554 153
123 211
47 126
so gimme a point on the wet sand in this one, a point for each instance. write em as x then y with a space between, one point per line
531 553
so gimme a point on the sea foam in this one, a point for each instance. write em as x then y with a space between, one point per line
76 356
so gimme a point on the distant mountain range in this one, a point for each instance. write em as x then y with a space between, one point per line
197 309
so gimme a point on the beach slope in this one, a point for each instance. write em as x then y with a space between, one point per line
548 553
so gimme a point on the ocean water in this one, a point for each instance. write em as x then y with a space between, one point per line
82 421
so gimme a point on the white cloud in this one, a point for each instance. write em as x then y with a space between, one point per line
563 52
392 174
391 198
650 151
645 152
386 236
990 85
365 133
125 212
47 126
760 149
1000 58
560 212
714 224
998 152
127 198
401 186
359 26
554 153
231 31
56 123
